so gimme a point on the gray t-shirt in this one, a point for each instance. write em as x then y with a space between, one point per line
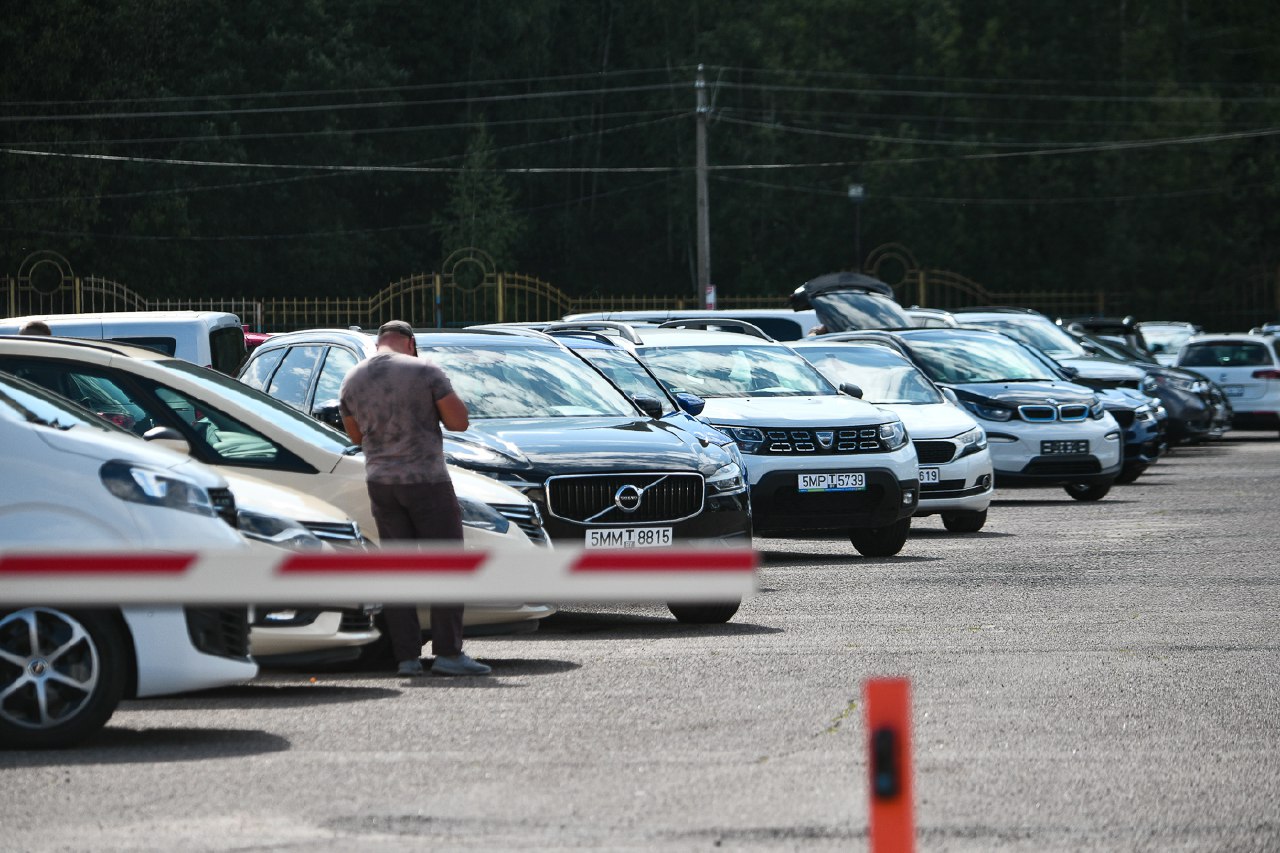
393 399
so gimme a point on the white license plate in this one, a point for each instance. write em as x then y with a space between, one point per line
846 482
629 537
1233 390
1049 448
930 475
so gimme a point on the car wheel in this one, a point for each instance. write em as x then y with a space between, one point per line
964 521
881 541
1086 492
62 673
1130 474
705 613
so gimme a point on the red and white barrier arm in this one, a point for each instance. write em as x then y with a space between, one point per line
389 575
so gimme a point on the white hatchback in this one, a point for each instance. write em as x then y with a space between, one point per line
956 477
1247 367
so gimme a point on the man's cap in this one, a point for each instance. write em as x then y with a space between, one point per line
400 327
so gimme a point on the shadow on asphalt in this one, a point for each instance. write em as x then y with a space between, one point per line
943 533
632 626
261 694
117 745
1107 501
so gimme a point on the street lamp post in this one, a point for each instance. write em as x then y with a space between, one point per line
857 193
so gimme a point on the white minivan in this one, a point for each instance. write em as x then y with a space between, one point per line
207 338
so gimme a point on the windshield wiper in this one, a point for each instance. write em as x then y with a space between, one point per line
1020 379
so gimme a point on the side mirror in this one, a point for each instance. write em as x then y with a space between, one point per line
1070 372
168 437
327 412
691 403
951 396
850 389
651 406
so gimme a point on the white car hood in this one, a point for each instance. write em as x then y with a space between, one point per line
831 411
271 499
932 420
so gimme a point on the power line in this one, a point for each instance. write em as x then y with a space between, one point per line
1001 96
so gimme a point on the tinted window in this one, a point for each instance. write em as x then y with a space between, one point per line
258 371
227 349
22 401
94 390
292 380
1226 354
168 346
337 364
736 371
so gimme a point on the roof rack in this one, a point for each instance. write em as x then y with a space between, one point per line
718 324
601 327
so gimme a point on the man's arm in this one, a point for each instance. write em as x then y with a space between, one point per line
353 429
453 413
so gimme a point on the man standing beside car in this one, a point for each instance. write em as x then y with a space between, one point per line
393 404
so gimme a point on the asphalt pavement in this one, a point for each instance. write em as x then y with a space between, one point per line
1084 676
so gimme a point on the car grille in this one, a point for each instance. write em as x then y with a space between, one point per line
594 498
1046 413
823 441
934 452
527 518
344 534
224 504
355 621
219 631
1062 467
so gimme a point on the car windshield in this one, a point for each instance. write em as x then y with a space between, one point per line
623 370
736 370
1038 332
25 401
956 358
535 382
882 374
215 386
854 310
1165 338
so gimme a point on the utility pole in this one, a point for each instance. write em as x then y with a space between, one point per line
704 218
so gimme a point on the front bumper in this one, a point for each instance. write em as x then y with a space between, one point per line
780 508
723 517
1018 460
967 484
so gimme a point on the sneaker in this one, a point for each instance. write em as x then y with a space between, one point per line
458 664
410 668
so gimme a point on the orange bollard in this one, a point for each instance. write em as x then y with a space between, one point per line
891 822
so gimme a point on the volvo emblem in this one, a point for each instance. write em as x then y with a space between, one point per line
628 498
826 437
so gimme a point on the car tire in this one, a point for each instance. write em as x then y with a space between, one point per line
881 541
712 613
1087 492
65 685
1130 474
964 521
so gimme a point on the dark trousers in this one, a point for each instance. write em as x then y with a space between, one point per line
419 511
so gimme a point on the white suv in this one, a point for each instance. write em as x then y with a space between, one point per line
1248 369
817 459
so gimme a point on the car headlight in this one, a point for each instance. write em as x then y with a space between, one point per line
973 441
893 435
1149 385
1097 411
155 487
728 480
1144 413
1177 383
748 439
481 516
277 530
989 413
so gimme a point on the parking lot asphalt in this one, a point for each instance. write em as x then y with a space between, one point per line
1085 676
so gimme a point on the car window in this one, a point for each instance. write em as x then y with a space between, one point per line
957 358
227 349
850 310
1036 332
168 346
258 371
736 371
628 374
1226 354
508 382
230 440
337 364
34 404
883 376
87 387
292 380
